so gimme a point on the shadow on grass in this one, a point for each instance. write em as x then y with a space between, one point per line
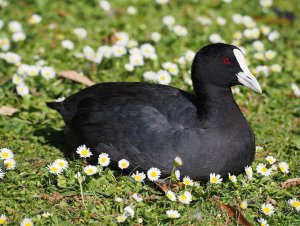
55 138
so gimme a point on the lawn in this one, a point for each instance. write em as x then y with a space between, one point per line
34 50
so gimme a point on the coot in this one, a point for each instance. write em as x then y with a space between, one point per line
151 124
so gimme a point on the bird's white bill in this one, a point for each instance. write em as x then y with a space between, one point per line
245 77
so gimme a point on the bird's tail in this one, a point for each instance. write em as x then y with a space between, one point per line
58 106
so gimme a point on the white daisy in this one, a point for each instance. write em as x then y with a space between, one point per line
273 36
2 174
189 55
118 199
270 54
155 36
258 45
129 67
162 2
103 159
262 69
132 43
271 159
275 68
171 195
178 161
185 198
150 76
48 72
237 18
105 50
249 172
153 174
123 164
22 89
266 3
263 170
90 170
137 198
67 44
265 29
232 178
215 178
23 69
129 211
171 68
180 30
147 50
47 215
187 181
3 219
55 169
121 218
118 50
18 37
295 203
84 152
6 153
26 222
220 21
163 77
169 21
105 5
33 70
177 174
17 79
136 60
35 19
12 58
267 209
62 163
9 164
139 177
173 214
131 10
14 26
80 33
262 222
244 204
4 44
295 89
284 167
89 53
122 38
215 38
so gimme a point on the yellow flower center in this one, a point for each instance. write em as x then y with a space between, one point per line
183 197
28 224
2 221
137 177
8 164
187 182
61 164
169 196
296 204
214 180
90 171
123 164
163 78
262 224
103 160
54 169
84 152
153 174
264 169
172 215
172 70
267 209
282 168
4 155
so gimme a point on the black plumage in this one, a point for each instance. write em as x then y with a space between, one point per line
151 124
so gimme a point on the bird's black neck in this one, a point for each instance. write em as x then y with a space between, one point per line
216 104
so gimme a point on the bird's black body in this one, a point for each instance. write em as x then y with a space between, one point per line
150 124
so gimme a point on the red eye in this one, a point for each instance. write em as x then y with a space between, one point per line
226 61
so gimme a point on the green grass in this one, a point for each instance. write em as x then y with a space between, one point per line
36 134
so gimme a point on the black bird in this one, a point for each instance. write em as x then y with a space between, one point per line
151 124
